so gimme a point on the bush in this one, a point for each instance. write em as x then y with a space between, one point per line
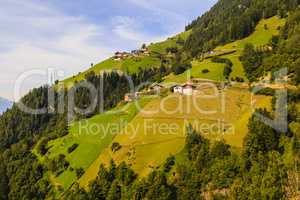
239 79
79 172
205 71
266 91
179 68
170 162
115 147
226 61
227 71
42 146
172 50
58 165
72 148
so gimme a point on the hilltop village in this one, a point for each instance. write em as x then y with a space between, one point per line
134 53
190 88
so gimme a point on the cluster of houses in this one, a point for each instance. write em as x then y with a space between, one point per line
186 89
135 53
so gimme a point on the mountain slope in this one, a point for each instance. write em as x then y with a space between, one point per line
5 104
149 147
264 31
172 144
134 64
253 162
230 20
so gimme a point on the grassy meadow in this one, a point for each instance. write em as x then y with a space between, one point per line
129 65
159 130
215 72
93 136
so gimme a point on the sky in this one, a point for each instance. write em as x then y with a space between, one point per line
67 36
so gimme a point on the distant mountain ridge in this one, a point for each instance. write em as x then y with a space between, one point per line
5 104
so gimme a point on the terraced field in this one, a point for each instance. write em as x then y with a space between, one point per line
93 136
159 130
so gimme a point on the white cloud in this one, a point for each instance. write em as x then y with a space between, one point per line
131 29
37 36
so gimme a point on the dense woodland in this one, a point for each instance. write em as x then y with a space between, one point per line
285 53
230 20
265 168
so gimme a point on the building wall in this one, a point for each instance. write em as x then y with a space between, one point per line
178 90
187 91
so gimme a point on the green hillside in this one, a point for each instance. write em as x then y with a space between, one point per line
146 141
161 47
215 72
263 33
261 36
92 136
133 64
163 140
93 152
130 65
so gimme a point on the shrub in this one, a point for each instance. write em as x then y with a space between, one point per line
179 68
172 50
205 71
239 79
115 147
226 61
227 71
72 148
42 146
170 162
58 165
266 91
79 172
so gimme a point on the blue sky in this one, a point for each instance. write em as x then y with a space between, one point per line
68 35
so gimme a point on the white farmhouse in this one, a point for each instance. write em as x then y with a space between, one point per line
188 89
178 89
157 87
